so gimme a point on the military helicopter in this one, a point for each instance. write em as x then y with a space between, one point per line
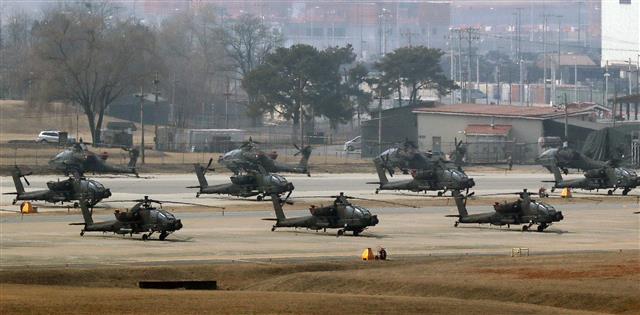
248 184
436 178
59 191
602 178
406 157
248 157
143 217
523 211
78 159
341 215
566 158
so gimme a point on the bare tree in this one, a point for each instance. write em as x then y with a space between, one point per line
88 56
15 68
248 41
191 44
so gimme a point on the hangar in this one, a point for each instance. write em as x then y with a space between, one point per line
493 132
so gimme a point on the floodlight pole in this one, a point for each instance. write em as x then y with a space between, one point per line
141 96
566 119
155 114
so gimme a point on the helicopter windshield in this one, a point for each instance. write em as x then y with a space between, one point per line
95 185
278 179
165 214
358 211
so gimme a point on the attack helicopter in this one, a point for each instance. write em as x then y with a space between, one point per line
78 159
523 211
603 178
247 184
406 157
437 178
143 217
566 158
60 191
341 215
248 158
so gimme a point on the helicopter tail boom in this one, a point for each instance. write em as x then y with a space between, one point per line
381 173
460 204
200 173
277 207
557 175
16 175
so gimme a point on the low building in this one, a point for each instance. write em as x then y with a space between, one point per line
198 140
118 133
493 132
397 124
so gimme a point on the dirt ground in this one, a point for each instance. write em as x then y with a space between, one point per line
606 282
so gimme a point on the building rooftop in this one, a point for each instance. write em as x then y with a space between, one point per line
487 129
526 112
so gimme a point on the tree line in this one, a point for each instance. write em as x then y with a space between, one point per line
90 54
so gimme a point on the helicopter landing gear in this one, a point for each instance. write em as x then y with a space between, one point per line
626 191
456 224
197 195
82 233
340 232
541 227
273 228
553 189
356 232
145 237
259 197
526 227
610 192
440 193
377 191
163 235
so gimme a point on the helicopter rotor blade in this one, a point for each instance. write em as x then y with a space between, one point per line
165 201
191 204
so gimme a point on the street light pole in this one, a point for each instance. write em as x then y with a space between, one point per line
155 115
575 79
226 106
141 96
379 119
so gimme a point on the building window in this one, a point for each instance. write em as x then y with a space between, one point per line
625 1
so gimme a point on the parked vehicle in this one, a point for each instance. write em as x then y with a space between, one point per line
53 136
353 144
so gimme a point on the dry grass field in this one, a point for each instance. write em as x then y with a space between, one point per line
544 284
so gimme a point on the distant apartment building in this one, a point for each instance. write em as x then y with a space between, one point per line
620 32
373 28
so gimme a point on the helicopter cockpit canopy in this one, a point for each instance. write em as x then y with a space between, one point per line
357 211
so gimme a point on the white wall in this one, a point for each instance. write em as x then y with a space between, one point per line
620 31
448 126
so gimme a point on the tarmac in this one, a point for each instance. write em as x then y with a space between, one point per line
593 224
173 186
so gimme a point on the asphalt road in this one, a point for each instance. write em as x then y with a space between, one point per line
40 240
173 186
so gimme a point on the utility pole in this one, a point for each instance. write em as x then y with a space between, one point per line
606 85
477 71
544 59
226 106
379 118
155 115
453 72
559 37
575 79
470 36
566 119
141 96
301 120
